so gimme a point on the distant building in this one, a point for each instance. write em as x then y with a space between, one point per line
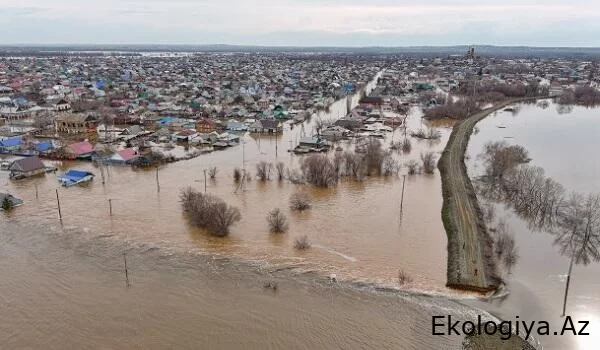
70 123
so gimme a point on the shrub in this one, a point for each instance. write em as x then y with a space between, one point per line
209 212
277 221
6 204
428 160
212 172
237 174
302 243
413 167
319 170
299 201
403 278
406 146
280 168
263 170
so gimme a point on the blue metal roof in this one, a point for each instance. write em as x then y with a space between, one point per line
44 146
12 142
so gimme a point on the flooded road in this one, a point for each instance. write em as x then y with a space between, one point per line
565 145
189 288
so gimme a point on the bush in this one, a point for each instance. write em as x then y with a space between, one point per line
403 278
406 146
280 168
277 221
299 201
428 160
390 166
413 167
263 170
302 243
237 174
319 170
212 172
209 212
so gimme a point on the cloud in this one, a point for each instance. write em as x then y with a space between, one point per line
296 22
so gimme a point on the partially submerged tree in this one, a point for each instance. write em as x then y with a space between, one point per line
319 170
413 167
403 277
212 172
237 174
578 235
299 201
208 212
263 170
428 160
277 221
302 243
406 146
280 168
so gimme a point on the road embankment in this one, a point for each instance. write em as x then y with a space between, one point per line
471 265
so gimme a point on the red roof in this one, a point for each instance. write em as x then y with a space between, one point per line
127 154
81 148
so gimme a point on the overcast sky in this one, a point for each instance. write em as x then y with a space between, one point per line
302 22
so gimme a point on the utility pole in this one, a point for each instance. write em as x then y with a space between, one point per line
58 201
126 272
36 192
110 206
157 182
204 180
102 173
402 198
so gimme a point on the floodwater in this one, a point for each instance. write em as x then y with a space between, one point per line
63 283
565 145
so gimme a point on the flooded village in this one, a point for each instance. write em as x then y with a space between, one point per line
345 184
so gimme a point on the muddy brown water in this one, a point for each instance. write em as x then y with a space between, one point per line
63 284
565 145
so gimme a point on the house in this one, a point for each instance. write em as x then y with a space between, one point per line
371 102
335 131
44 146
311 142
75 123
124 156
26 167
133 130
269 126
62 105
14 201
234 125
80 150
11 144
205 125
185 135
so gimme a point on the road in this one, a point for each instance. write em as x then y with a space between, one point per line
470 258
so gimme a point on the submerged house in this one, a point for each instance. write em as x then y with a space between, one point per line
80 150
26 167
269 126
125 156
14 201
11 144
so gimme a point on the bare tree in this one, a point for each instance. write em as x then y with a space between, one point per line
578 235
263 170
319 170
280 168
299 201
302 243
413 167
208 212
428 160
237 174
406 146
404 278
277 221
390 166
212 172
